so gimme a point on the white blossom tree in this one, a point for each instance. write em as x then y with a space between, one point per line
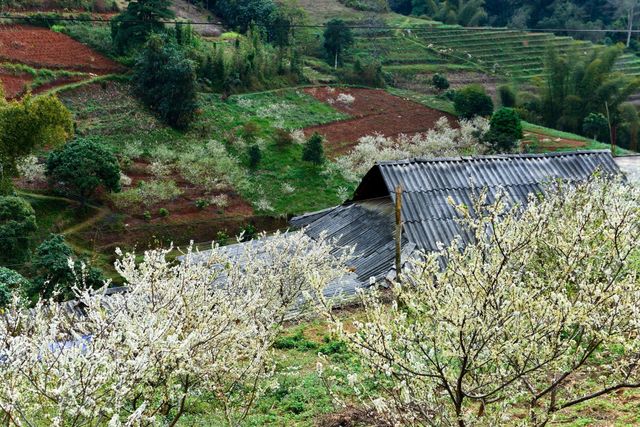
182 329
540 313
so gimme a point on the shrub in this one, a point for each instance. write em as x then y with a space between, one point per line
147 216
11 281
222 237
17 223
595 125
282 138
31 170
54 273
163 212
165 80
220 201
440 82
146 194
505 130
313 151
77 169
472 101
202 203
211 167
255 155
367 73
507 96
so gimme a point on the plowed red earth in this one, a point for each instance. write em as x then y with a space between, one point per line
14 85
40 47
372 111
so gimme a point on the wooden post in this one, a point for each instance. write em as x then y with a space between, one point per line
612 131
398 234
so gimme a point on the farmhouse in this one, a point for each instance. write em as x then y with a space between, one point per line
367 221
428 218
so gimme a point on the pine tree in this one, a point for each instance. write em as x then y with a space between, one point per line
313 151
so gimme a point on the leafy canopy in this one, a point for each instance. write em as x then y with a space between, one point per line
26 125
338 37
165 80
133 27
17 222
472 101
80 167
312 150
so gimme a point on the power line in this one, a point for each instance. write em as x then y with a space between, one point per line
318 26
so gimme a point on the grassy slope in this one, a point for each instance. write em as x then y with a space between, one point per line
120 120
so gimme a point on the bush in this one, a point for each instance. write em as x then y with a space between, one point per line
202 203
472 101
367 73
596 126
163 212
165 80
77 169
440 82
507 96
504 131
53 272
255 155
11 281
17 222
312 150
141 19
282 138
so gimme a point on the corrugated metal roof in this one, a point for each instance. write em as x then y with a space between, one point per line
428 184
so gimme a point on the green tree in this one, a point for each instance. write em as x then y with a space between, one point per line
631 120
254 156
338 37
472 101
17 223
11 282
53 272
165 80
133 27
27 125
582 84
312 150
505 130
440 82
597 125
463 12
507 96
78 168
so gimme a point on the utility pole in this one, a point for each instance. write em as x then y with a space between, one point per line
398 234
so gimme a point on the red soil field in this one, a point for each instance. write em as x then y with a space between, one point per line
373 111
14 86
40 47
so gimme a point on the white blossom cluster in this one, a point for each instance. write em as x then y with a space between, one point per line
31 169
182 329
540 312
441 141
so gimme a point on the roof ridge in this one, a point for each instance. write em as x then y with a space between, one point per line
493 157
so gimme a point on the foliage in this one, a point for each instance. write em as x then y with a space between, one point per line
505 130
165 80
313 151
31 169
578 86
338 38
54 274
537 316
240 14
631 120
170 338
468 13
17 224
146 194
11 282
163 212
249 64
211 167
507 96
368 5
80 167
27 125
282 137
597 125
132 28
472 101
440 82
364 73
255 155
441 141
